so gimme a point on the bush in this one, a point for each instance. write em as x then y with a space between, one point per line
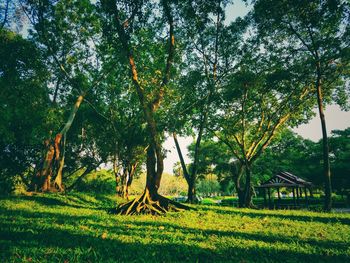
7 184
98 182
208 186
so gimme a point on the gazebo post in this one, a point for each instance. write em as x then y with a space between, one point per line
310 190
297 190
265 204
279 197
269 194
306 198
294 201
301 192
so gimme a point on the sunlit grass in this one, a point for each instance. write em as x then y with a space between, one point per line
78 228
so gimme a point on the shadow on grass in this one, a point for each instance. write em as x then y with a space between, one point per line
46 200
24 238
60 245
269 238
75 201
262 214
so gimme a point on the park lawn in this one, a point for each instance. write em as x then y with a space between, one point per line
78 228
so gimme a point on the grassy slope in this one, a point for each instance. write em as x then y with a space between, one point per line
53 228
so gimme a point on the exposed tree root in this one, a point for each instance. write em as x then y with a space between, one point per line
144 204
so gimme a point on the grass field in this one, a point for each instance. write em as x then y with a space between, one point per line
78 228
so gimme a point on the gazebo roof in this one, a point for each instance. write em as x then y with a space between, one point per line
285 179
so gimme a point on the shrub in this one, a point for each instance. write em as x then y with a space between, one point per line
98 182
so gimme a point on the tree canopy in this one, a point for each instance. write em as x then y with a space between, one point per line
86 84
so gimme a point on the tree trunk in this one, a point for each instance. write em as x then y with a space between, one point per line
150 202
182 161
190 179
193 177
60 161
116 176
244 193
54 160
81 177
237 175
248 191
43 180
191 193
326 164
130 178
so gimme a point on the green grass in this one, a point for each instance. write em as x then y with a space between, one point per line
78 228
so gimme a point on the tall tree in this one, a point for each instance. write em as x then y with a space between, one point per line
134 26
320 31
66 31
210 46
258 100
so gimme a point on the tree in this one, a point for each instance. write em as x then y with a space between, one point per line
23 107
11 16
320 31
214 159
210 46
258 100
130 22
66 31
129 142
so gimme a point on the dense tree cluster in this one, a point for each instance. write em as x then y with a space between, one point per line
288 152
89 83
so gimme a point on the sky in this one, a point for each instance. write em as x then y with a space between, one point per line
335 118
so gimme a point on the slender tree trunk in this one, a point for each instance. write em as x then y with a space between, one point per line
191 192
190 178
326 164
193 177
124 186
128 180
182 161
116 175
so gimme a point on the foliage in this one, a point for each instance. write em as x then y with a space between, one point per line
340 155
208 186
316 30
23 101
173 185
98 182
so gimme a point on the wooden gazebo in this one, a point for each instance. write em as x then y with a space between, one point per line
287 180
